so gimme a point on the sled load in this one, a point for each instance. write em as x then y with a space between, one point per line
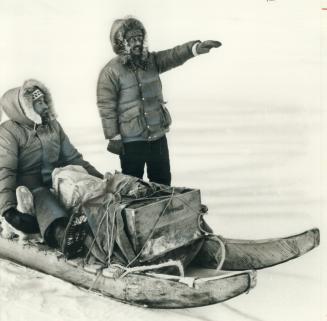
149 245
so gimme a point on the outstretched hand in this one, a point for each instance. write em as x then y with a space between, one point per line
206 46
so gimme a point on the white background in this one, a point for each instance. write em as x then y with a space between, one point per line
247 130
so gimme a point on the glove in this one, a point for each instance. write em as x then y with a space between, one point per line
115 146
22 221
205 46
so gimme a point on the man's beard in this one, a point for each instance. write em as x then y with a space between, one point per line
45 118
134 61
140 59
137 51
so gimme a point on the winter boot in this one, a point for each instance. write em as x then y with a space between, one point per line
71 241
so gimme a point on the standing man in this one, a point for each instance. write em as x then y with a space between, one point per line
130 100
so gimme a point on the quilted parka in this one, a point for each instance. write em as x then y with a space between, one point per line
129 97
29 151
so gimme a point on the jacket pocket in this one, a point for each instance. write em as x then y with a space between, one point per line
165 115
131 122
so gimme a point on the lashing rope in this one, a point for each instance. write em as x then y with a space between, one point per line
220 241
143 268
153 228
106 213
218 238
127 268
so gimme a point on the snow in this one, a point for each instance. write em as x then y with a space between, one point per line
247 131
257 194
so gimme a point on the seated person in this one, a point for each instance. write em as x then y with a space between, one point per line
32 145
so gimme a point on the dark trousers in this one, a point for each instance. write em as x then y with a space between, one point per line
153 154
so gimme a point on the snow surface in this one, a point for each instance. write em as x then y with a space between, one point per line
255 187
247 130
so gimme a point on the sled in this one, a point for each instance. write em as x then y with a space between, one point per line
217 268
199 287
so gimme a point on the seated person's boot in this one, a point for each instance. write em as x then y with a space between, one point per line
70 237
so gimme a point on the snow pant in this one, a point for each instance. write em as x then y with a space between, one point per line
153 154
48 210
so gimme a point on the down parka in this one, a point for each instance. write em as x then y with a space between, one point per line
29 151
129 97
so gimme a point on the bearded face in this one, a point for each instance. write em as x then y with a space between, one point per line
129 41
40 106
135 44
135 40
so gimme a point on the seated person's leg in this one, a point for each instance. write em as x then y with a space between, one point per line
49 213
56 226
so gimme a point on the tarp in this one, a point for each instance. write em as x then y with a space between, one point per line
103 202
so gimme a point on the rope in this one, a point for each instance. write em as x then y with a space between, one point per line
223 253
106 213
127 268
95 280
123 186
110 238
150 198
144 268
190 207
220 241
110 248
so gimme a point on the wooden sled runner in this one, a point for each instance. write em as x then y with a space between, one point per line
240 255
143 289
199 287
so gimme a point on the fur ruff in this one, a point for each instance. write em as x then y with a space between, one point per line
120 44
26 100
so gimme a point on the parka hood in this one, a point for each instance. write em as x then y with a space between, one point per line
118 40
18 105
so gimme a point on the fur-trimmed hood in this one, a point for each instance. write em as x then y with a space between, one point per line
18 105
118 39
